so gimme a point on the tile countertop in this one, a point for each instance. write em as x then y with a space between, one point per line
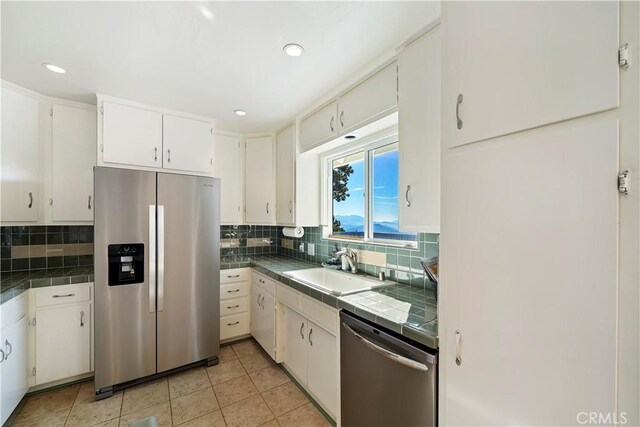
406 310
13 284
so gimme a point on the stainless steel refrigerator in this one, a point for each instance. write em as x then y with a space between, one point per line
157 274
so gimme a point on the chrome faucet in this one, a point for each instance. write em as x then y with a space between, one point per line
348 258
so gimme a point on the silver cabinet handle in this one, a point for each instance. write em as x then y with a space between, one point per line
89 204
459 120
82 319
458 349
30 200
290 206
301 328
2 358
262 303
231 307
233 291
267 207
235 276
10 350
64 296
160 258
310 333
341 118
155 154
234 323
258 300
406 196
386 353
331 123
169 155
152 258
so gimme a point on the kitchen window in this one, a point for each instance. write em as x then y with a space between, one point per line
363 195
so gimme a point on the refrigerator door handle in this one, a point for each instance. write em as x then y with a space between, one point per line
160 258
152 258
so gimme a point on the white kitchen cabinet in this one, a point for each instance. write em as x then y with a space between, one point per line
260 191
419 134
369 100
187 144
131 135
62 332
518 75
19 183
263 318
295 347
319 127
323 366
285 176
14 353
234 304
228 165
73 156
63 341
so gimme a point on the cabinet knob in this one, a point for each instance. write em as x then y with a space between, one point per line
169 155
89 204
267 207
9 349
30 200
290 206
301 328
331 123
2 358
341 118
406 196
155 154
458 347
82 319
310 333
458 119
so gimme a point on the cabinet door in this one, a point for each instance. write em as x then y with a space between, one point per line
322 376
295 347
370 99
319 127
518 75
19 180
131 135
187 144
14 369
73 155
268 324
63 342
228 165
419 134
259 183
285 176
256 312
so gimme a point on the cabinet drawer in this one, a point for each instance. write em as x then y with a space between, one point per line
264 282
234 275
65 294
234 290
288 296
14 310
320 313
234 325
233 306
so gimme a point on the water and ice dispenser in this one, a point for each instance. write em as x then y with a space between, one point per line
126 264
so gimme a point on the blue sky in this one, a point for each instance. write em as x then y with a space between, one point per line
385 192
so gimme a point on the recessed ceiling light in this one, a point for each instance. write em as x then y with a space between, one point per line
54 68
293 49
240 112
206 13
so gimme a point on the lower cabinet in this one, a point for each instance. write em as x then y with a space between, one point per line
62 332
311 354
263 317
234 307
14 369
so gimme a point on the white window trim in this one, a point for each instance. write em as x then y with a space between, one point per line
389 136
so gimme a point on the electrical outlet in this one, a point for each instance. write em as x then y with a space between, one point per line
301 247
311 249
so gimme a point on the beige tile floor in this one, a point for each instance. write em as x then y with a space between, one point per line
246 389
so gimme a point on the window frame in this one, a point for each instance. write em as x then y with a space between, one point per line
367 146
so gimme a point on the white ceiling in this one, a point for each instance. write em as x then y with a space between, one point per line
169 54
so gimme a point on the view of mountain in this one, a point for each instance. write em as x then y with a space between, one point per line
355 223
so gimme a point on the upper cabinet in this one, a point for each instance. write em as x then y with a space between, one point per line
20 156
228 164
419 134
260 191
132 134
570 71
285 176
73 155
187 144
370 100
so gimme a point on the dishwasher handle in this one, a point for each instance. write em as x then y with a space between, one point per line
386 353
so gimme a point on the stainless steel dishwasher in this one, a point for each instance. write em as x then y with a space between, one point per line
385 379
